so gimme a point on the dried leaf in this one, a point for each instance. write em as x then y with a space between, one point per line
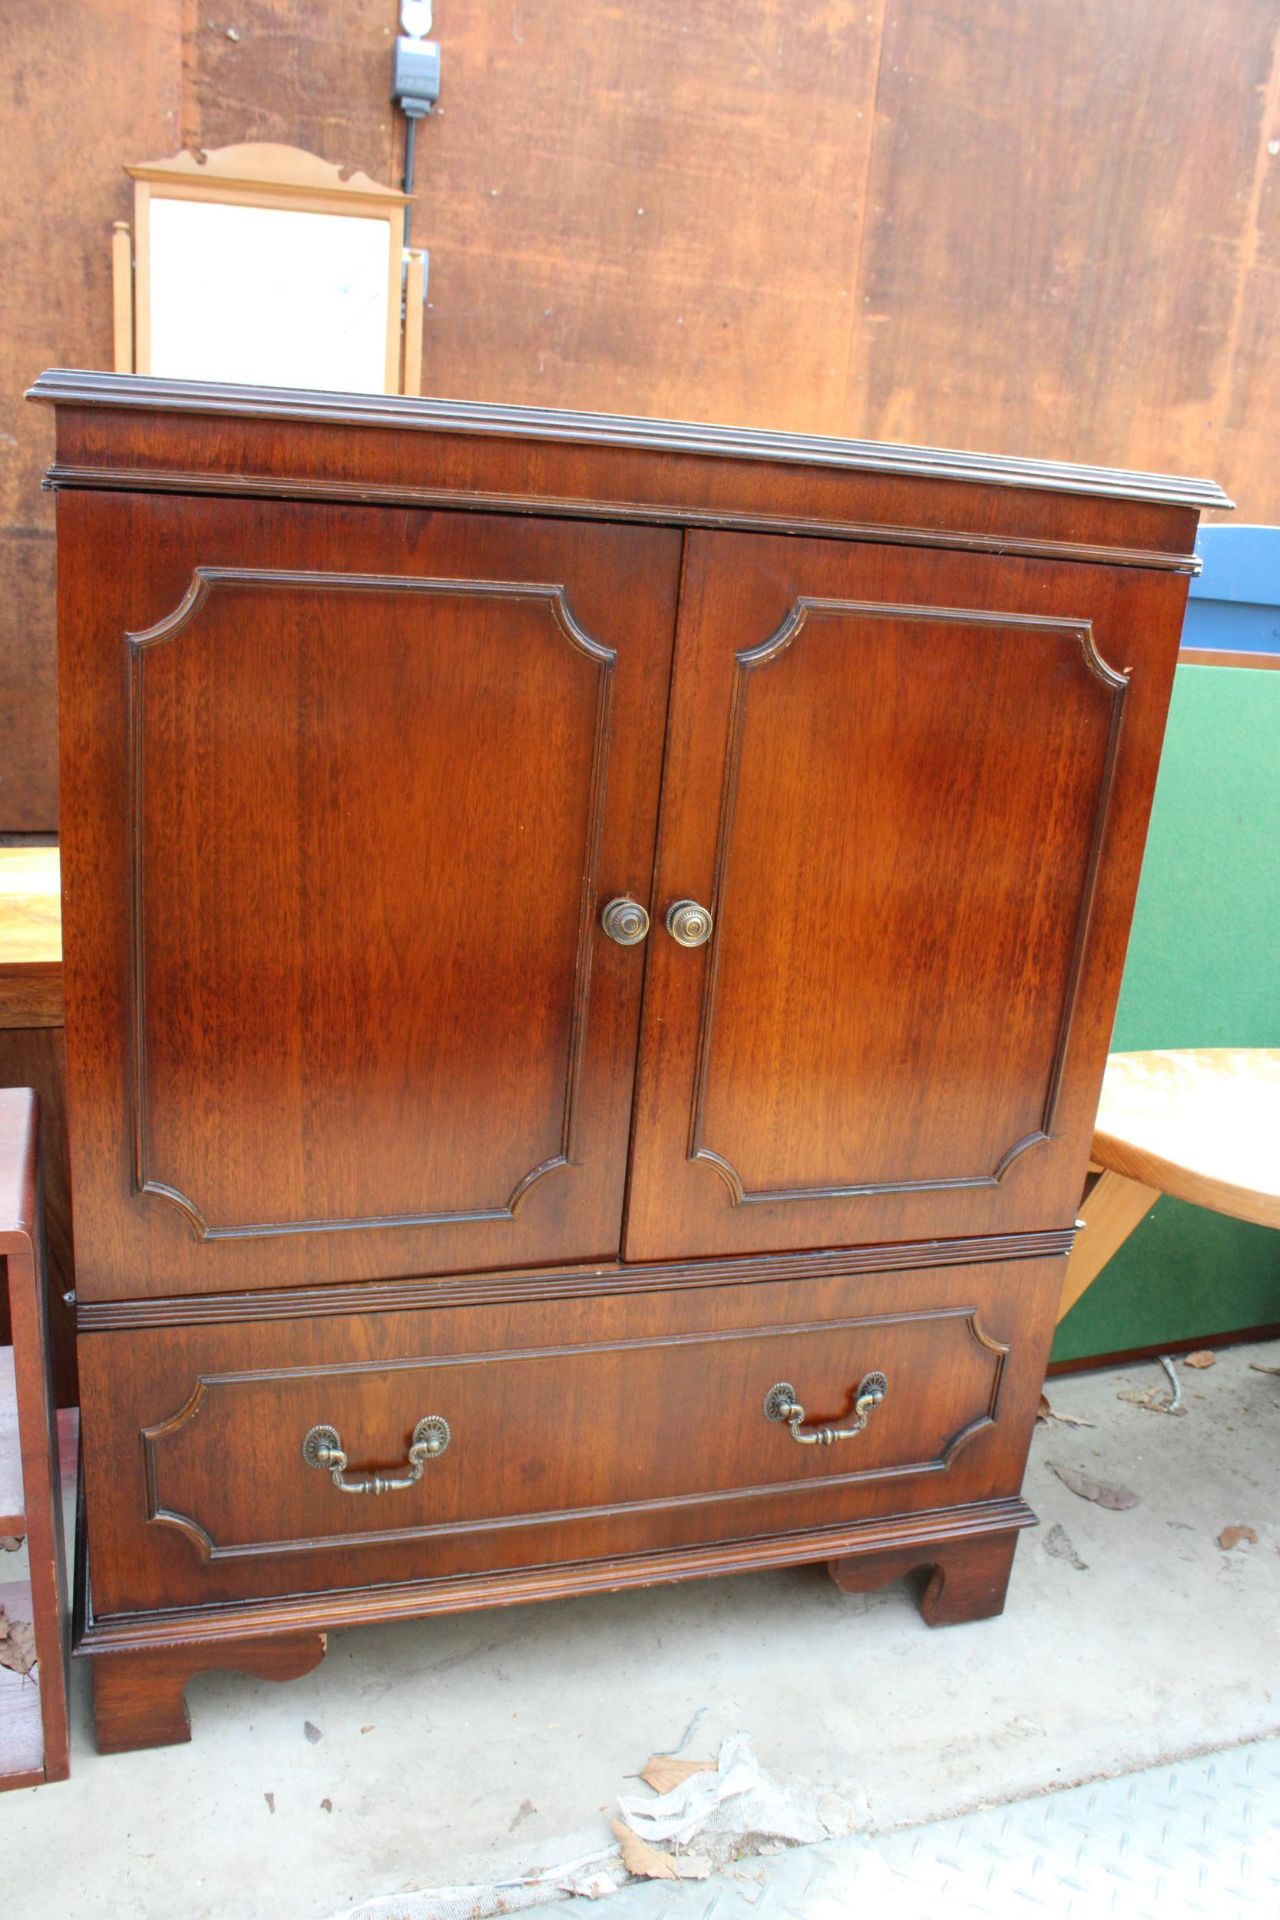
369 1729
1201 1358
1236 1536
1099 1491
327 1805
312 1731
693 1866
648 1863
1256 1365
1060 1545
1152 1400
271 1802
640 1858
1045 1412
10 1542
17 1645
662 1772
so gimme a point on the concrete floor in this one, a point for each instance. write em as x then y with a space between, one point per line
481 1745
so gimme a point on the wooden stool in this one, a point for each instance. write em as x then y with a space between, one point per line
33 1706
1202 1125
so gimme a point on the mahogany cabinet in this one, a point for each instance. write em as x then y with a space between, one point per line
590 951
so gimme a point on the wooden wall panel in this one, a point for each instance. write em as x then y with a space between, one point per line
1246 405
86 90
309 75
135 82
1059 220
1049 228
648 209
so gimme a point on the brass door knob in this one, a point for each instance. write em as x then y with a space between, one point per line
625 921
689 924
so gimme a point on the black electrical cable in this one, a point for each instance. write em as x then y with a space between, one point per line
410 134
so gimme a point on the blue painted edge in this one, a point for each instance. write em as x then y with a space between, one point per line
1240 563
1234 604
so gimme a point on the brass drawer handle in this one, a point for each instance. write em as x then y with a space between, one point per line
780 1404
322 1448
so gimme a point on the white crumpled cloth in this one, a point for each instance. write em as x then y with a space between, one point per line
739 1798
736 1809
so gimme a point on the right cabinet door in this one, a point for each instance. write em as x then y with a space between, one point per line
911 789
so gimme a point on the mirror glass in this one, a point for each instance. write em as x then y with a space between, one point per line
268 296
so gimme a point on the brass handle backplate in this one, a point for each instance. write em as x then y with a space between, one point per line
689 924
625 921
322 1448
780 1404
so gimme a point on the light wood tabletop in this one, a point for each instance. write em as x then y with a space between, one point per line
30 937
1199 1123
1202 1124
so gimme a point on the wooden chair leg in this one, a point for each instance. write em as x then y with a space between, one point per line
138 1696
1110 1211
965 1579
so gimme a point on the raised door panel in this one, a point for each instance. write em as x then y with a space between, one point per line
376 774
912 790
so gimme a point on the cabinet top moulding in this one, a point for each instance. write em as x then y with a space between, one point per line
136 433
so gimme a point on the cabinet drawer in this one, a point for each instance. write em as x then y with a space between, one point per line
557 1430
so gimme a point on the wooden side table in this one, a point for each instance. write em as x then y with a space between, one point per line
30 937
33 1054
33 1706
1199 1123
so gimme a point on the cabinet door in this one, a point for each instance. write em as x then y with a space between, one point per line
912 788
344 792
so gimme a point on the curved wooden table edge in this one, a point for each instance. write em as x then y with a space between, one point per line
1182 1182
1134 1175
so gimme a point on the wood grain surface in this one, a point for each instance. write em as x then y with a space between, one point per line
30 938
36 1057
354 815
139 1703
969 222
198 1493
349 779
1200 1123
903 788
46 1599
196 437
121 91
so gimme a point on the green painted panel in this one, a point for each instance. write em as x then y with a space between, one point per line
1203 970
1203 967
1183 1275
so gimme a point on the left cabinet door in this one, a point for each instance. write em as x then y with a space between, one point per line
344 790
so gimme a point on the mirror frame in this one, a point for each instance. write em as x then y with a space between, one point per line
261 174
